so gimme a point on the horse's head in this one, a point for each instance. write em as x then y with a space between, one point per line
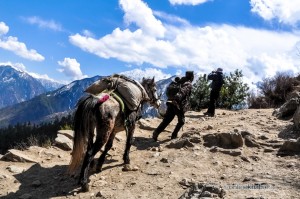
150 87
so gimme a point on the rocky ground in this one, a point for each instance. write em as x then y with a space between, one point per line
233 155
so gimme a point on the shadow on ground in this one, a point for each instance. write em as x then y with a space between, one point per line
45 183
142 143
289 132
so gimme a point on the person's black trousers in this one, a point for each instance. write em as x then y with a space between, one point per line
214 95
172 110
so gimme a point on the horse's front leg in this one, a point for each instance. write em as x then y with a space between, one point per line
129 140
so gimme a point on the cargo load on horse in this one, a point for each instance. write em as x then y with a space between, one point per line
131 91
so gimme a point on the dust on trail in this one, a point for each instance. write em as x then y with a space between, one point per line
164 170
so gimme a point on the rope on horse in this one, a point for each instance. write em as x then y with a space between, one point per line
119 99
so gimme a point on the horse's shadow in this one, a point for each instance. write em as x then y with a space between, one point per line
142 143
42 182
50 182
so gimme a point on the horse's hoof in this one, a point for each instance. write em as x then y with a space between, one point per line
92 164
128 167
85 188
98 170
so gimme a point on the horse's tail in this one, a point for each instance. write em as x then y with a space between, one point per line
84 124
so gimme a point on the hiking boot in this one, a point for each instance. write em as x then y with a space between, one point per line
154 136
173 137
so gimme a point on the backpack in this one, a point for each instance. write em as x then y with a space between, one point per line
172 90
218 80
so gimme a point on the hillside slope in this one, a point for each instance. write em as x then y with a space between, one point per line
167 172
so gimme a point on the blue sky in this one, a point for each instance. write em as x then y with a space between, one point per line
72 39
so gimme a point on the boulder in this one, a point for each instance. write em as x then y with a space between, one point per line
294 94
17 156
290 147
67 133
178 144
144 124
287 109
15 169
232 152
63 142
250 141
296 118
201 190
224 140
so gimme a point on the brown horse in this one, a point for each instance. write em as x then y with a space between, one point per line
108 118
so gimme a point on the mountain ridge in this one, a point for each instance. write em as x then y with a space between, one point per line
34 110
17 86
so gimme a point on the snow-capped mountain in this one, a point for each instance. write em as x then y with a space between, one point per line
49 85
60 101
17 86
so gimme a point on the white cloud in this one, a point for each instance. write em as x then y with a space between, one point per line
188 2
138 12
3 28
171 19
43 23
269 65
127 46
284 11
71 68
138 74
12 44
88 33
256 52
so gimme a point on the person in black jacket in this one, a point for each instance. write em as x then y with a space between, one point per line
177 106
216 85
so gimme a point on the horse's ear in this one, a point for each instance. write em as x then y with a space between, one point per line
143 79
153 80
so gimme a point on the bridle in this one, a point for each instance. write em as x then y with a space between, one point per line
151 90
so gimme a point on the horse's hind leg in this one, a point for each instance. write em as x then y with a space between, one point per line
92 149
130 132
85 164
106 135
107 148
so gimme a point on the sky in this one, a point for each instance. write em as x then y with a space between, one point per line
67 40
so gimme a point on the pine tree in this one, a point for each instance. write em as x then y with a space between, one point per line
234 92
200 93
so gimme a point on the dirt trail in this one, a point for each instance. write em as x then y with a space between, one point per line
253 172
